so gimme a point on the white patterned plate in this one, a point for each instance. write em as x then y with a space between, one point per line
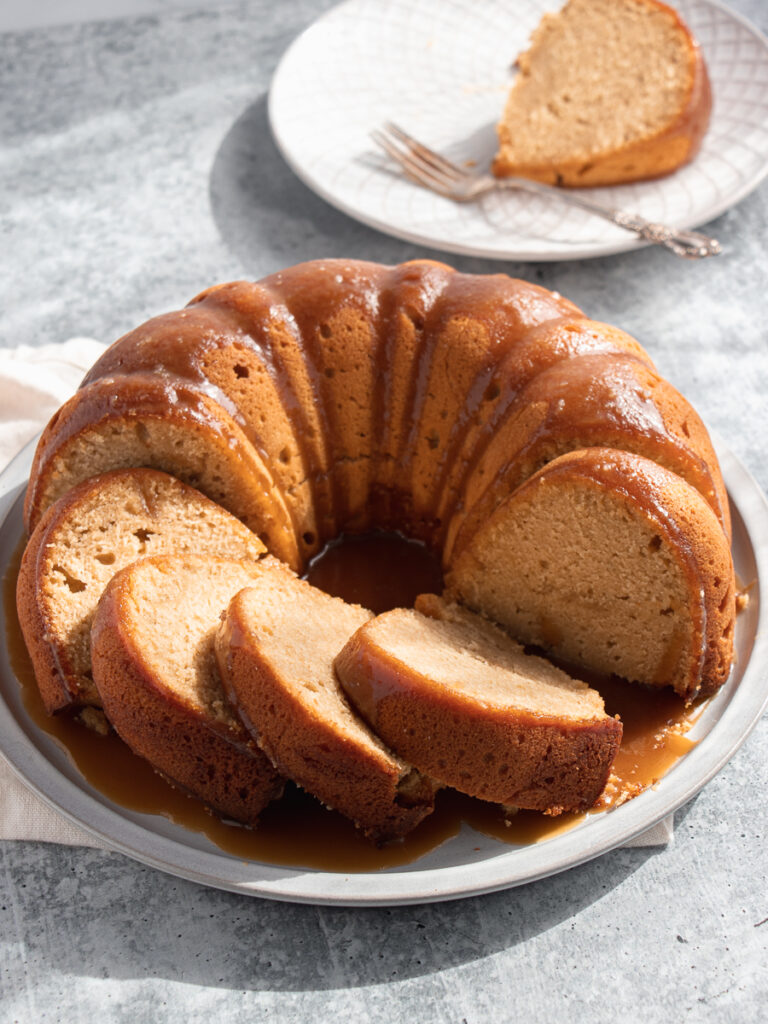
441 69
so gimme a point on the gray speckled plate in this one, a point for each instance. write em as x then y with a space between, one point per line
466 865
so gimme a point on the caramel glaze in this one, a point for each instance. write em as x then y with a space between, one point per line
381 572
363 414
393 396
233 319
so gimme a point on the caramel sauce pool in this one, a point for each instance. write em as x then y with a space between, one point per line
379 571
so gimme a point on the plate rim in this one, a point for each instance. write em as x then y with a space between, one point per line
595 251
407 885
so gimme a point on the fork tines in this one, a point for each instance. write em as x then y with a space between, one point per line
422 164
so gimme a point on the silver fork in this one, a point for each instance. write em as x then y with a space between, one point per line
432 170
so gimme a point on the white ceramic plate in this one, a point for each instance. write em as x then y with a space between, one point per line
441 69
470 863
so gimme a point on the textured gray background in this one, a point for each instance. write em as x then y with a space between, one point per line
137 168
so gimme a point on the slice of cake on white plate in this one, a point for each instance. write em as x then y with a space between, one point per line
609 91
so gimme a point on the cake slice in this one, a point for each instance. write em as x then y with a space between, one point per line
458 698
276 647
97 528
155 670
613 564
609 91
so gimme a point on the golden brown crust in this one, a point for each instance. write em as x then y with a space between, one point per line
318 751
214 761
146 420
603 400
231 364
393 441
541 348
51 680
486 750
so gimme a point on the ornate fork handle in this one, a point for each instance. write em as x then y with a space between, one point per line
690 244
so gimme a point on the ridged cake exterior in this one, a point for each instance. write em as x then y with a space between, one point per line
344 396
610 562
341 395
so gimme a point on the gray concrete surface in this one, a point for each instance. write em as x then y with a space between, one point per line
136 168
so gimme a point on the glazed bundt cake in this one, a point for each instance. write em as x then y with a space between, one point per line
458 698
343 395
276 646
340 396
91 532
154 666
609 91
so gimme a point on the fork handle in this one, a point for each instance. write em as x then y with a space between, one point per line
690 244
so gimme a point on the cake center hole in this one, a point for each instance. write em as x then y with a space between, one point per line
377 570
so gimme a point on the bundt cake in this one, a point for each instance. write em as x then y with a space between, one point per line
340 396
152 647
609 91
461 701
612 563
95 529
276 647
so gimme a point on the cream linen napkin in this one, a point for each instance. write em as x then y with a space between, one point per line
33 383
